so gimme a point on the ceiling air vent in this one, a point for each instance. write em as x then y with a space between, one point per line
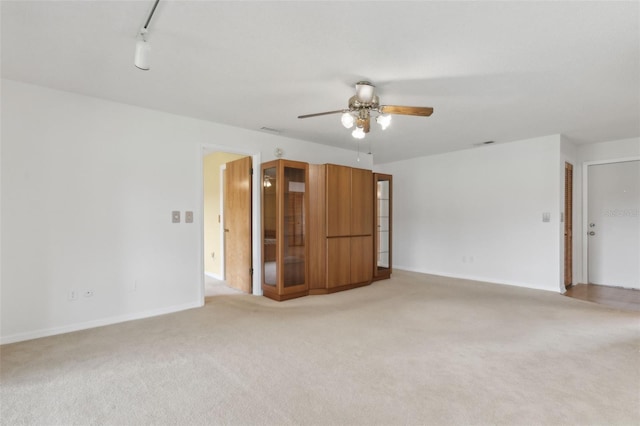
270 130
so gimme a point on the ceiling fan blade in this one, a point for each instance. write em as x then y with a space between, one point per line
321 113
406 110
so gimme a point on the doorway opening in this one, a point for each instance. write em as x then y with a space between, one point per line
228 250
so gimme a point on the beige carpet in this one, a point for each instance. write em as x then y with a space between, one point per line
415 349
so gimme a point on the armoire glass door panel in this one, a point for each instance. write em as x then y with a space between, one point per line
383 223
284 210
270 224
382 267
294 227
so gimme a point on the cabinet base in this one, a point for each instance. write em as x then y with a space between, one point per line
282 297
316 291
383 276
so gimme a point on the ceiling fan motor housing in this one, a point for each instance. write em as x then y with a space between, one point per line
365 91
356 104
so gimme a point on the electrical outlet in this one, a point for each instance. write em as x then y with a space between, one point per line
72 295
88 293
188 217
175 216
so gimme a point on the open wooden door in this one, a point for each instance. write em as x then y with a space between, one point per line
237 224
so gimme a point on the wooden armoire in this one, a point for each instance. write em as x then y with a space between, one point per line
341 214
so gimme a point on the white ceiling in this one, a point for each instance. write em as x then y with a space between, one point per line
500 71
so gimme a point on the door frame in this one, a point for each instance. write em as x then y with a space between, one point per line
585 208
256 253
223 272
569 191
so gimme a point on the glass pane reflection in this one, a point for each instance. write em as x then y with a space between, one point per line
270 225
383 224
294 225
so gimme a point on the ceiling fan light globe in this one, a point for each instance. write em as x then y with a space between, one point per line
347 120
384 120
358 133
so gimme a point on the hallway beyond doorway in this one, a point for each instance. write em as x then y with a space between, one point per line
214 287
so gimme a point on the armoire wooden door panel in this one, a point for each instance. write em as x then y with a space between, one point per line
361 259
338 202
361 202
317 224
338 261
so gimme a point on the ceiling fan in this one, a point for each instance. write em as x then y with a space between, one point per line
365 104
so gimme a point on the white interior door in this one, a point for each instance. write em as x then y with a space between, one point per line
614 224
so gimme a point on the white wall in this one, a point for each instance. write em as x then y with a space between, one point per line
611 150
478 213
87 190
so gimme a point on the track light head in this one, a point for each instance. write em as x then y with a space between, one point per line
141 59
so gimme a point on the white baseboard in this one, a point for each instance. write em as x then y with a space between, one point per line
476 278
20 337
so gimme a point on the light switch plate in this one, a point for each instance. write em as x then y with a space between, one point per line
546 217
188 217
175 216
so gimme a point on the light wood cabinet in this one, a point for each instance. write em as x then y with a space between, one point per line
285 204
318 233
341 219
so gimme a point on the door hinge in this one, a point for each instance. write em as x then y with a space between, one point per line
251 271
251 171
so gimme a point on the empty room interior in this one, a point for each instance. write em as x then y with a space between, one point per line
320 212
